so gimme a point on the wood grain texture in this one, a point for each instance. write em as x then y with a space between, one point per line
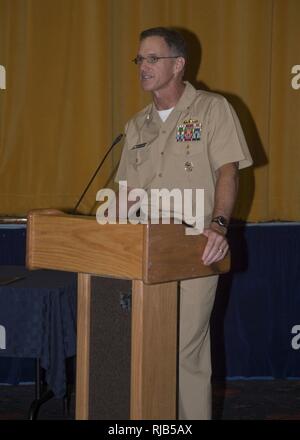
170 254
153 253
154 351
83 346
147 254
80 244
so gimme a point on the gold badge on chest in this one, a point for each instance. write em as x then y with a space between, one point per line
189 130
188 166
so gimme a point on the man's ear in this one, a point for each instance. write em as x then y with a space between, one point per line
180 64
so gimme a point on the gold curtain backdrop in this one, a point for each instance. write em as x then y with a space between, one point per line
71 86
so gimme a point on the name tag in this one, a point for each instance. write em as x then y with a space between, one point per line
135 147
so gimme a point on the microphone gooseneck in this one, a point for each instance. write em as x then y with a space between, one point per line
115 142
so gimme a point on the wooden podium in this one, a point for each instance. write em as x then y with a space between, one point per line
139 382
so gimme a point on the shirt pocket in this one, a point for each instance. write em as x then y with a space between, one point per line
138 156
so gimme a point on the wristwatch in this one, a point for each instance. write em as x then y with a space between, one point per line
221 221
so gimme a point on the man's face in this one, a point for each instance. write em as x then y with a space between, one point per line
158 76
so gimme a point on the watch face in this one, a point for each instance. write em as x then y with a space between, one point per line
220 220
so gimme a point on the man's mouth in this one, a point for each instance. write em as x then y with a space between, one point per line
145 77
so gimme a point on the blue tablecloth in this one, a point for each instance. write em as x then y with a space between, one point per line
38 317
12 244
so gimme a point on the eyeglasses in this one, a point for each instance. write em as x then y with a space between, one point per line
151 59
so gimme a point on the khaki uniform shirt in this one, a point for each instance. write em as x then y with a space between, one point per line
161 154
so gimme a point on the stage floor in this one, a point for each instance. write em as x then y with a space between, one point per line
232 400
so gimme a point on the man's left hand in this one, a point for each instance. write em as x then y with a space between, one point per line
216 247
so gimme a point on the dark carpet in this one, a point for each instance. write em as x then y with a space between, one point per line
232 400
257 400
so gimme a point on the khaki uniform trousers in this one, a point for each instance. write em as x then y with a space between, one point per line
196 302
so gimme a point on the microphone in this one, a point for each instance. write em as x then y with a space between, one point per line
115 142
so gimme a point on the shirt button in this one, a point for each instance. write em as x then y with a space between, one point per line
160 175
162 153
163 131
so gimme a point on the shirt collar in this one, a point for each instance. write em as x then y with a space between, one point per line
187 97
185 100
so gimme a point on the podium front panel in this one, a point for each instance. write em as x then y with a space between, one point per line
110 353
126 349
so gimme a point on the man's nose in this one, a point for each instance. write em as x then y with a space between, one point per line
143 69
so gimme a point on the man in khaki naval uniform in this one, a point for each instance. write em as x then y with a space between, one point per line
186 139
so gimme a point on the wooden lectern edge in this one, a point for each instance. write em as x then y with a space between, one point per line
216 271
29 231
215 267
30 226
55 212
145 252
